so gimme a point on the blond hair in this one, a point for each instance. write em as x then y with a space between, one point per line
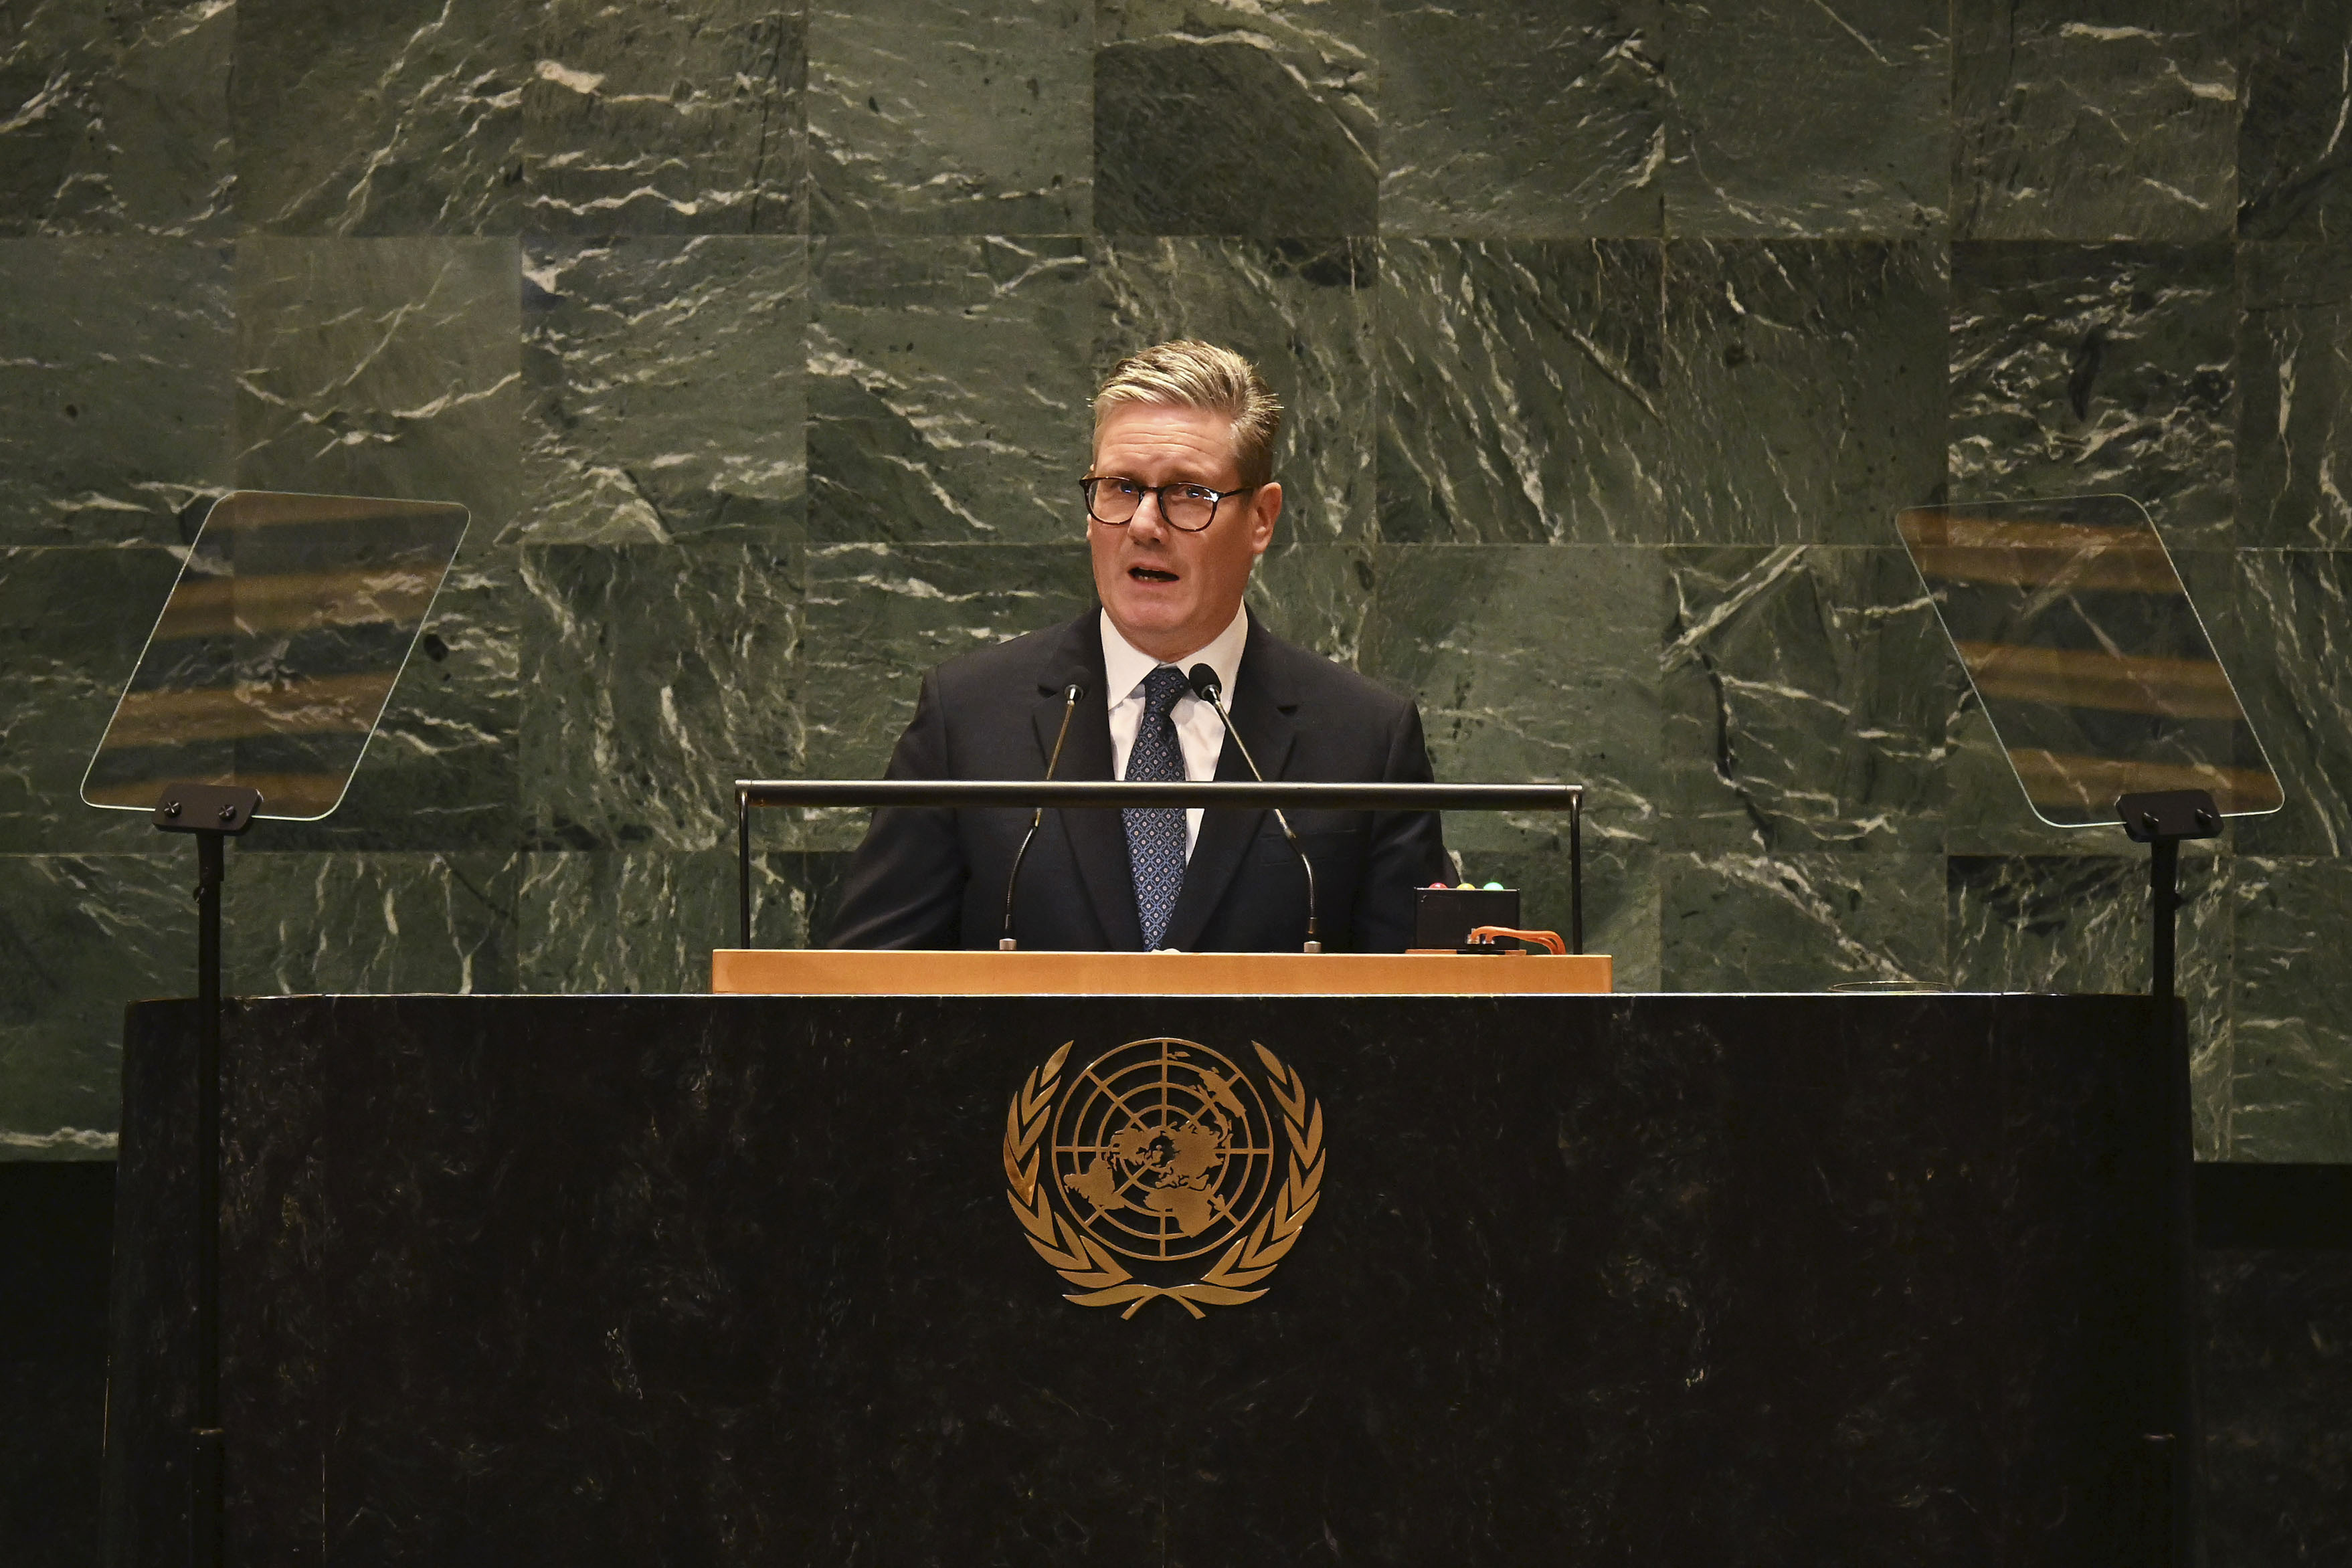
1188 373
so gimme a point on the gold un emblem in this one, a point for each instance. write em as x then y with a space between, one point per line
1158 1155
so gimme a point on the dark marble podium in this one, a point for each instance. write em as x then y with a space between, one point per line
1615 1279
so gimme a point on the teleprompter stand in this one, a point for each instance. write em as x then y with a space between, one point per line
2161 819
266 675
2096 676
214 814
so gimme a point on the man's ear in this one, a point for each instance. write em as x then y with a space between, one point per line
1265 506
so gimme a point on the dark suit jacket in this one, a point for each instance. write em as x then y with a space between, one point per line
934 877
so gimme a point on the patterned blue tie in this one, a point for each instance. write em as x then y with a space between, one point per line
1155 834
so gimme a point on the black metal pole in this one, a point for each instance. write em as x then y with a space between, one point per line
2163 894
205 1459
2160 819
743 863
211 813
2177 1478
1576 874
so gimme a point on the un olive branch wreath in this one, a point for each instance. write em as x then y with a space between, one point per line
1101 1279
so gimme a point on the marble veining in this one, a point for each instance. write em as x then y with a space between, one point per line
403 117
2295 369
2091 121
667 388
669 671
2294 177
1769 345
1801 922
2095 369
948 388
116 120
665 118
1521 392
1249 117
1803 692
1521 120
1806 117
116 367
917 122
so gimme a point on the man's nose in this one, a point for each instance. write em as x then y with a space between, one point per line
1148 523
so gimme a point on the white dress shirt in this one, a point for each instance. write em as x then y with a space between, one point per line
1199 732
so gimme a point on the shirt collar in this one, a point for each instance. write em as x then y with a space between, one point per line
1125 665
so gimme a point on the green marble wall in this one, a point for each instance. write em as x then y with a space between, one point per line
759 339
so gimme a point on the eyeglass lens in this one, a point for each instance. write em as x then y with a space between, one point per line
1186 507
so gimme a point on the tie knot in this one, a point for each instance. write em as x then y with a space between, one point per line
1161 687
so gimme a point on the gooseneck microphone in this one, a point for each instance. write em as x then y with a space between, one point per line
1070 695
1209 689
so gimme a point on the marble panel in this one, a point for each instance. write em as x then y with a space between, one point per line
949 380
1522 388
1522 119
1318 596
668 389
396 117
2295 163
2093 119
1301 311
115 118
391 367
646 920
1515 656
920 121
2291 1068
2295 389
1236 116
1804 694
387 367
337 922
1794 117
2274 1382
1805 388
2294 673
2087 368
879 615
72 622
116 376
666 117
664 672
1798 922
2078 924
83 935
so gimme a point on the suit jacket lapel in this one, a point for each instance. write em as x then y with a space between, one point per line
1263 710
1098 838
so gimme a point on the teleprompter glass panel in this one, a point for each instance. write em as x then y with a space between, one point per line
2087 654
275 655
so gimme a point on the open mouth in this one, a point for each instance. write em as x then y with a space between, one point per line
1149 574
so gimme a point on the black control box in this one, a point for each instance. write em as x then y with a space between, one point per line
1445 917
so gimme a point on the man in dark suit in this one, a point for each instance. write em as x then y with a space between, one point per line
1180 503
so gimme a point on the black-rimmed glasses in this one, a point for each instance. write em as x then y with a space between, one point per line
1114 501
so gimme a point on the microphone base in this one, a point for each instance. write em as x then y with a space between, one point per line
1312 948
1007 944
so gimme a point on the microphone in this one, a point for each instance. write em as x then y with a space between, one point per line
1205 685
1070 695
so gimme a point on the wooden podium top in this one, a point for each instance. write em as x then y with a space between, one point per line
825 972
